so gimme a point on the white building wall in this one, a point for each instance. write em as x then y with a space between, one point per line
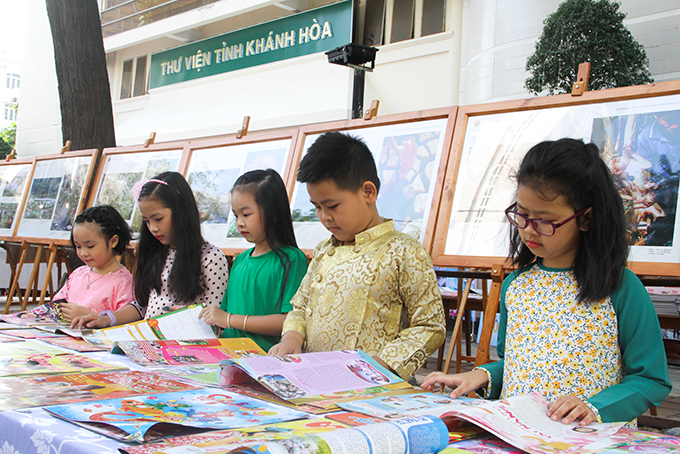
479 58
293 92
410 75
8 95
39 131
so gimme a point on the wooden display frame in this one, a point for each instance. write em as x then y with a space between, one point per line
8 233
44 168
408 122
58 180
638 97
122 182
234 155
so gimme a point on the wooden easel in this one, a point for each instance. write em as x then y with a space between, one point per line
55 256
491 303
46 250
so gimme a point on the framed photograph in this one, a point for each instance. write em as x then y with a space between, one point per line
123 168
56 194
410 155
14 178
213 167
636 130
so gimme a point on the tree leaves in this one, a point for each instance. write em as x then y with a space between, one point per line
586 31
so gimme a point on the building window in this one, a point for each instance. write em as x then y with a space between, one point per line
13 81
433 17
133 81
10 112
391 21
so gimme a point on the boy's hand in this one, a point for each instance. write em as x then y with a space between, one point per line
214 316
571 408
91 321
71 311
462 383
291 343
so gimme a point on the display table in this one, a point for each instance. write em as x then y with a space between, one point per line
32 430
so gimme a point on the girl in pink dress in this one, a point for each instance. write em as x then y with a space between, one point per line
102 285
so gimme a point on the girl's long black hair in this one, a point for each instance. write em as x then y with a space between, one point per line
185 278
110 223
575 170
269 192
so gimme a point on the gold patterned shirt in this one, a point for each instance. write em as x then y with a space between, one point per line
355 297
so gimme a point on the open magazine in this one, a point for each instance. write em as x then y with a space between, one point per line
522 421
45 314
304 378
186 352
182 324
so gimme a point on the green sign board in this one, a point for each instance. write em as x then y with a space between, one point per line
306 33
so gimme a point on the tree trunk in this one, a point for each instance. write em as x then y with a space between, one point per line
84 93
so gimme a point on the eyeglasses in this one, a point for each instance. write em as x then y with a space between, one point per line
542 227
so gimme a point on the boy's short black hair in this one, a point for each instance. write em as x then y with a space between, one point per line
342 158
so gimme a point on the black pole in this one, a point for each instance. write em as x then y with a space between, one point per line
358 94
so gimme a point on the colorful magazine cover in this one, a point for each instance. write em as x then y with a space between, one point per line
61 329
198 374
31 347
422 435
45 314
634 440
352 418
330 402
45 363
5 338
145 418
301 378
30 333
5 325
187 352
222 441
24 392
400 406
78 345
256 390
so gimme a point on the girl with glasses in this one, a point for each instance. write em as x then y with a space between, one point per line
576 325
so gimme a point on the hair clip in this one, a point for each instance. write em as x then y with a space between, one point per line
137 188
153 180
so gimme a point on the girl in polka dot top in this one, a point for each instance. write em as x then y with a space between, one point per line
175 266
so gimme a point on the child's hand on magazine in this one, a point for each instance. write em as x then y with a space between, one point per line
571 408
291 343
91 321
461 383
71 311
214 316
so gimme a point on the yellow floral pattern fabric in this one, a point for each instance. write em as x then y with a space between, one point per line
356 297
550 334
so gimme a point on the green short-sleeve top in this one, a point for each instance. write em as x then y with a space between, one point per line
255 286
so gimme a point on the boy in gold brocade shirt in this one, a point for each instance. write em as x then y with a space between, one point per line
366 274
